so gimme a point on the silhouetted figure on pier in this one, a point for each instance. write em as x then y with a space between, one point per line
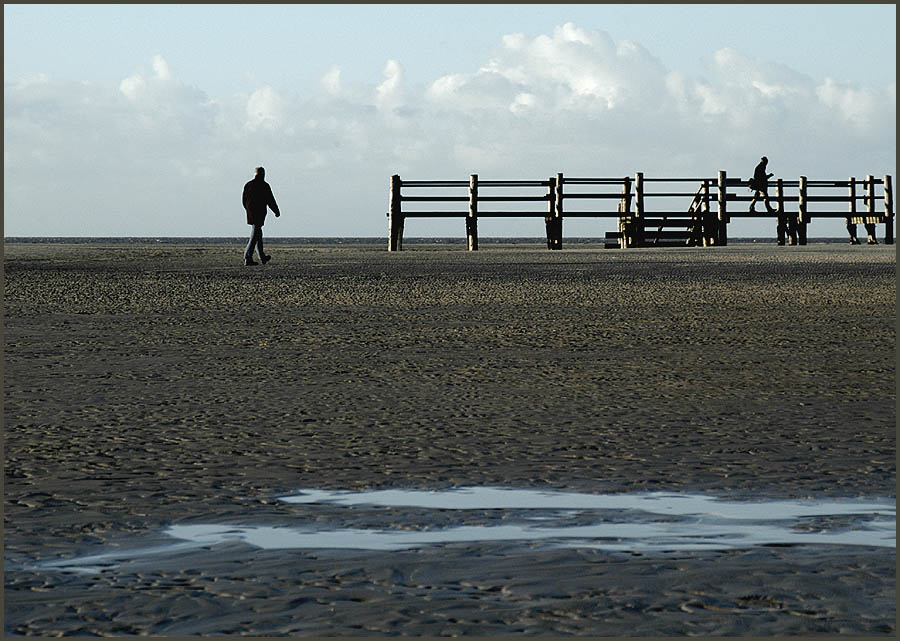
257 198
870 232
760 184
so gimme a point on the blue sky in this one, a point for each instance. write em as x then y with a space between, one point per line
171 106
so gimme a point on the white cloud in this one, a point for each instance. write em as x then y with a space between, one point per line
331 81
161 68
861 107
132 86
523 103
389 95
265 109
573 100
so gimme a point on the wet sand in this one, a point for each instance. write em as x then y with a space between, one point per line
159 384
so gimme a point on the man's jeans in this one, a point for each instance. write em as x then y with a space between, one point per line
255 243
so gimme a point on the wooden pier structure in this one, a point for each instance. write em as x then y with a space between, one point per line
710 206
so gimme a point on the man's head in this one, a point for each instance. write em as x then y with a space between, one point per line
260 172
765 161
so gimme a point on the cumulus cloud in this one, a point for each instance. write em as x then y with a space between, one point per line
574 100
863 107
389 95
331 81
265 109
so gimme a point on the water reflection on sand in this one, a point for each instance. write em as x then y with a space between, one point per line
646 522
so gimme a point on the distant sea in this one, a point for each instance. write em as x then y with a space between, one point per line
216 240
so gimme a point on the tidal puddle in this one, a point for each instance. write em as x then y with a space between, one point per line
669 503
386 520
654 521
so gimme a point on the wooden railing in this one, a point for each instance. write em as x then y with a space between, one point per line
709 204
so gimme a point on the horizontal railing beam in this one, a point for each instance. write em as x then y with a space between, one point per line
513 183
512 199
434 183
682 180
831 199
609 196
434 199
669 194
772 199
593 181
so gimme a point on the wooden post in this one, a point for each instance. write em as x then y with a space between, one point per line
803 213
395 217
707 226
870 194
782 226
638 226
557 221
626 193
851 224
870 202
472 217
888 212
551 213
722 231
625 227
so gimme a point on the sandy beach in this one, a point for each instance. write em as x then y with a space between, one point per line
158 384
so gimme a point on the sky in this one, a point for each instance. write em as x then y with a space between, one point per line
146 120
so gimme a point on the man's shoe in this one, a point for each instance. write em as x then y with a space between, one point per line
872 241
249 261
854 241
266 259
752 209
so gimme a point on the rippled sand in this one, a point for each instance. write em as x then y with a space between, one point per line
159 384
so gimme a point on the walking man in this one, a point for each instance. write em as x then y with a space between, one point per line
760 184
257 197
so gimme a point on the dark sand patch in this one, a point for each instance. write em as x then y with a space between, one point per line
152 385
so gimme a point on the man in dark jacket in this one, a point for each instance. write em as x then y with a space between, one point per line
760 184
257 197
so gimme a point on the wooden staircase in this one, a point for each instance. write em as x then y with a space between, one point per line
664 230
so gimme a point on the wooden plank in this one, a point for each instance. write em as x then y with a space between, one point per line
434 199
826 199
435 214
669 194
678 180
511 199
511 214
595 181
827 183
743 199
435 183
866 220
594 195
512 183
